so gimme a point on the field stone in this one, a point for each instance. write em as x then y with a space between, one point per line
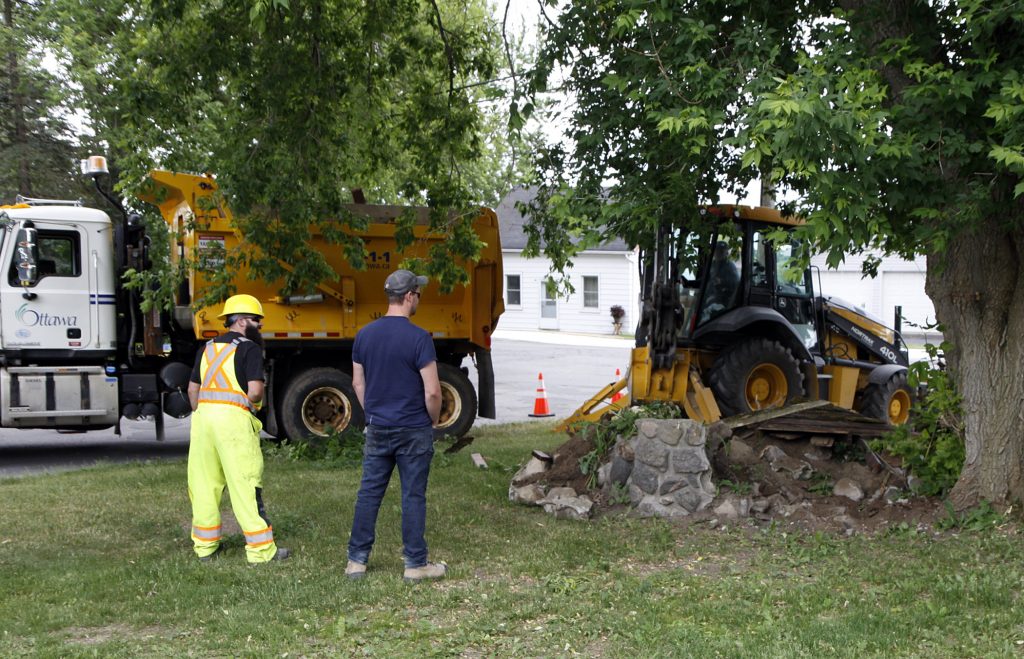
619 469
892 493
652 454
648 428
848 488
651 507
741 453
689 460
670 485
670 432
561 492
533 466
568 507
693 500
727 510
644 477
526 494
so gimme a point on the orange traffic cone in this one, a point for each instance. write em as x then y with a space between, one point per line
618 394
540 404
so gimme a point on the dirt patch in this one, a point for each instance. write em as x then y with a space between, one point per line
99 635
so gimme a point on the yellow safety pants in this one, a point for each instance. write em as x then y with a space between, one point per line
224 450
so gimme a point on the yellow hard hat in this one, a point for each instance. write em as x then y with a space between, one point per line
242 304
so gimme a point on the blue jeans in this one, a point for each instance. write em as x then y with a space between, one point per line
411 449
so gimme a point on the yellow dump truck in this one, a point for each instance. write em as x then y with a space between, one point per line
62 366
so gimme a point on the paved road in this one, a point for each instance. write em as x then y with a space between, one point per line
574 368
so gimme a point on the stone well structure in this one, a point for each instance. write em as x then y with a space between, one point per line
671 473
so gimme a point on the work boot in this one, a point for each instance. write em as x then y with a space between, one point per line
281 555
355 570
209 557
428 571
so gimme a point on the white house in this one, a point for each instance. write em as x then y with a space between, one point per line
610 276
601 278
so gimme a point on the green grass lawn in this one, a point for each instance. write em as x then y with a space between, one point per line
99 562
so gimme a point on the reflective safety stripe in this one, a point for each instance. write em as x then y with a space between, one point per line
206 532
217 387
260 538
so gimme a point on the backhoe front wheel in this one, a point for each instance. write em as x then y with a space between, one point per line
458 402
319 401
755 375
889 400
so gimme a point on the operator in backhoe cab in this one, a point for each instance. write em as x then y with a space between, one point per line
723 283
226 391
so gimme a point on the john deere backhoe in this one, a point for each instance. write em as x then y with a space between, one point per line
745 331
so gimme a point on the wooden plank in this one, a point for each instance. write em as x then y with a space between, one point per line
478 460
741 420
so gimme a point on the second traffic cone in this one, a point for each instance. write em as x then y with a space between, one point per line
540 404
618 394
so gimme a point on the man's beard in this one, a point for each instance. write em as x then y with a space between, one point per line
253 334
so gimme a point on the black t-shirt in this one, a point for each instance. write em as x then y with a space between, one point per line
248 361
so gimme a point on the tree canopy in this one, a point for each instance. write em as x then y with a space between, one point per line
896 125
294 103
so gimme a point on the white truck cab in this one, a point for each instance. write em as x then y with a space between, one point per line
57 316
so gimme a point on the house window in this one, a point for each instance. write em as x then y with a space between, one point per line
590 300
513 291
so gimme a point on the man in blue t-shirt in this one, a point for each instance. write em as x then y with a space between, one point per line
394 373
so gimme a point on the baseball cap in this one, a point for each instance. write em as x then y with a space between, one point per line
401 282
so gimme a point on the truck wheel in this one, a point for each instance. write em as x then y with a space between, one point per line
888 401
458 402
319 401
755 375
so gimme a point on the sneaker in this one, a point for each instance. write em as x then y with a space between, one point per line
428 571
209 557
355 570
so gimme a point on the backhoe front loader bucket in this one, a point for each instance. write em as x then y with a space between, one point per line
680 384
598 405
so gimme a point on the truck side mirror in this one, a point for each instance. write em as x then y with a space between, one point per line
27 256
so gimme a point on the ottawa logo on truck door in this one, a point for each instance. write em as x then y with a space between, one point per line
33 318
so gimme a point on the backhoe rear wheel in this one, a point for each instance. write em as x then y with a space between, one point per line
889 400
753 375
458 402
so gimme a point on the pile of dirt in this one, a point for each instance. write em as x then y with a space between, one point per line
802 477
565 467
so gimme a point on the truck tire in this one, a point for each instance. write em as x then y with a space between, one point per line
317 401
458 402
889 400
754 375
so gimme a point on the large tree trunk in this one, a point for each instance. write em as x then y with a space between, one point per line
978 290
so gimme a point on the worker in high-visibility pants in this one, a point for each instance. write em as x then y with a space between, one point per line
226 390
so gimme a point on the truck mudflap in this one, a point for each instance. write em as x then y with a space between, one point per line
58 397
486 406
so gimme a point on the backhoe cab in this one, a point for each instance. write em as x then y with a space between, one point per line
745 331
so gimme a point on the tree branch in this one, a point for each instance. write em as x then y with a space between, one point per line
449 53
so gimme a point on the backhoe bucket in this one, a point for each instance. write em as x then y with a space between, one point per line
598 405
680 384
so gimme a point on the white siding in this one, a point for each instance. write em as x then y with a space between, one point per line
618 283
